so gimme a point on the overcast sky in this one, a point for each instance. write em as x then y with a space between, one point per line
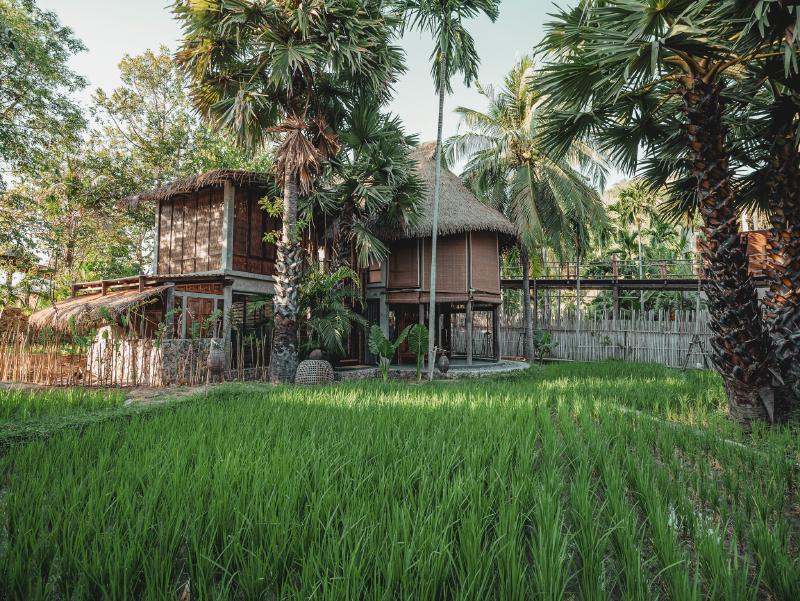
113 28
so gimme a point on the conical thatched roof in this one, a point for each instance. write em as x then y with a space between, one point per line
195 182
86 308
459 210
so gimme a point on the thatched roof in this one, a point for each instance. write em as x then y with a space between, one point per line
459 210
195 182
86 308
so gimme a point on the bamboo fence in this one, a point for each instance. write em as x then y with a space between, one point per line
653 337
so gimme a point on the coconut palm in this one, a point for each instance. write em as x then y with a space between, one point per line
618 67
545 195
256 69
454 53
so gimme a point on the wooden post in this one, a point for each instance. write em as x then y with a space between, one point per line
496 332
535 306
468 326
72 289
103 287
421 313
615 290
664 268
448 330
141 282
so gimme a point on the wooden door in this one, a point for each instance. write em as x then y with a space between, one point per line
199 309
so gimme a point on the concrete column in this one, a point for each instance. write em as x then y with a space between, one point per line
383 317
157 237
227 225
468 326
496 332
169 304
227 296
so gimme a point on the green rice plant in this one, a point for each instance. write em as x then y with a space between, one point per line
771 548
591 537
18 404
508 488
726 577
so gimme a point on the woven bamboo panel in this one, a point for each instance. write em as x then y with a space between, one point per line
215 228
451 264
403 264
165 235
203 233
485 262
176 240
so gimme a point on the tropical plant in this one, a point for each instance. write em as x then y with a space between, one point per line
255 69
373 181
381 346
453 53
327 308
542 344
620 71
418 340
544 194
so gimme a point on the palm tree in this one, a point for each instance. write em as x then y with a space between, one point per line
256 69
634 205
373 180
618 68
454 53
545 195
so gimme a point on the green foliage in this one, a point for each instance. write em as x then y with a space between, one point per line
381 346
522 487
418 340
37 114
542 345
548 195
327 308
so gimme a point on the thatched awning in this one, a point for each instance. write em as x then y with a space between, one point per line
86 308
195 182
459 210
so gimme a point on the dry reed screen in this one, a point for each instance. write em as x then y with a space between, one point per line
485 262
451 264
403 264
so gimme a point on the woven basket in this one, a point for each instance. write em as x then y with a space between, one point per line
311 372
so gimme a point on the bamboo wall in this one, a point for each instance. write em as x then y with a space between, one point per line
655 337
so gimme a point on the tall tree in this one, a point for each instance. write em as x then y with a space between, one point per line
255 68
619 65
542 193
453 53
36 109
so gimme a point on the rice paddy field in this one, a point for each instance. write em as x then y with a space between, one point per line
575 481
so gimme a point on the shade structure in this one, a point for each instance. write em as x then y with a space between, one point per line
86 309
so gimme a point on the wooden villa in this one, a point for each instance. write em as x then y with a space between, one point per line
471 236
210 255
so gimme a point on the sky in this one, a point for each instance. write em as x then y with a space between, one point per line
112 28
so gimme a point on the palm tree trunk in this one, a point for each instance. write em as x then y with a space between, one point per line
432 304
284 359
741 346
782 301
341 233
527 317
